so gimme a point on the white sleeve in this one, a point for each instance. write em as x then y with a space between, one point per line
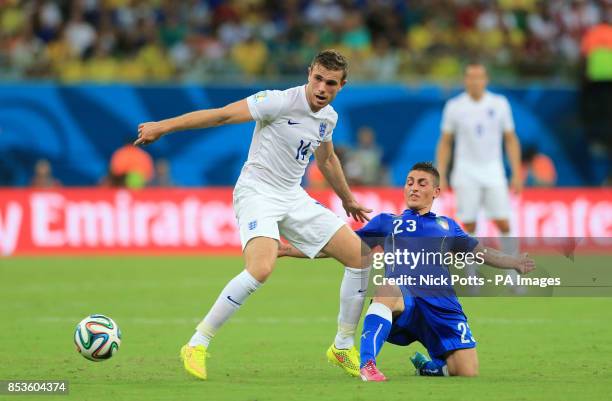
328 129
266 105
448 123
507 120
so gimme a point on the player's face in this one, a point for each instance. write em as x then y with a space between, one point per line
420 190
323 86
476 80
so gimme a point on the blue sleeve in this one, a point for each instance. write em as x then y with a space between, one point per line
461 241
373 233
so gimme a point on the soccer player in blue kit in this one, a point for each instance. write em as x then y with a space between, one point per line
432 315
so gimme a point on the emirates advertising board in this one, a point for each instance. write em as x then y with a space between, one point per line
202 221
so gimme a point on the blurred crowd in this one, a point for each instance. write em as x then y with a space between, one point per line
203 40
133 167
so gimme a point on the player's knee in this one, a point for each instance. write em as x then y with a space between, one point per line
260 271
465 369
463 363
394 303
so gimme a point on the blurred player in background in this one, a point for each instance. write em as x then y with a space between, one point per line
291 125
431 315
480 122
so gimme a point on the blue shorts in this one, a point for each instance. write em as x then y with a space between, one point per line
440 329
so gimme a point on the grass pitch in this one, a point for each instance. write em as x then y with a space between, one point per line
274 347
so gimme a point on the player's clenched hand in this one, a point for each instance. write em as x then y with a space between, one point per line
356 210
525 264
150 132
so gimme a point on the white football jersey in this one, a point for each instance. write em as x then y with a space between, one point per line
287 132
478 128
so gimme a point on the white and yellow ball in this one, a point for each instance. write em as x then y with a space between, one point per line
97 337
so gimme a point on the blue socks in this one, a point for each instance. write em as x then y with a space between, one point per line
434 368
425 367
376 328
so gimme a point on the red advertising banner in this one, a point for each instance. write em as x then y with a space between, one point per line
103 221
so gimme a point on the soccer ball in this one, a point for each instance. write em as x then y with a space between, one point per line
97 337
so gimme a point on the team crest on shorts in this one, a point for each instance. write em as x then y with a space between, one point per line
322 129
252 225
442 222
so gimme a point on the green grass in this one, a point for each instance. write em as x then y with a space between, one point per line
274 348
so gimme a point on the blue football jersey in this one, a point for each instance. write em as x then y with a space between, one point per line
429 235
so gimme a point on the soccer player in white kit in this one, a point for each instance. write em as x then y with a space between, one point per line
291 125
479 122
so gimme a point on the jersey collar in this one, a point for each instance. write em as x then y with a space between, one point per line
414 213
482 100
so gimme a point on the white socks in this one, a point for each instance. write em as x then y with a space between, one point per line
231 298
352 295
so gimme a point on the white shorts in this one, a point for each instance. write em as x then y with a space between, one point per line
263 211
470 199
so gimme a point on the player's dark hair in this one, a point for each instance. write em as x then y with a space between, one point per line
475 63
428 167
332 60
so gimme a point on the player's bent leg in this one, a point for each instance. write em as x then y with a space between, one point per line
390 296
260 255
463 362
346 247
377 325
376 328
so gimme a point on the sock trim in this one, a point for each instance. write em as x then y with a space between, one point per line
380 309
248 277
357 272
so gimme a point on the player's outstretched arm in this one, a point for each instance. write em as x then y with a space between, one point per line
495 258
329 164
233 113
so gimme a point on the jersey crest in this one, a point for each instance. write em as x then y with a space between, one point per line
322 129
442 223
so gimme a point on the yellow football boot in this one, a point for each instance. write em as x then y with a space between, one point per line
194 360
347 359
